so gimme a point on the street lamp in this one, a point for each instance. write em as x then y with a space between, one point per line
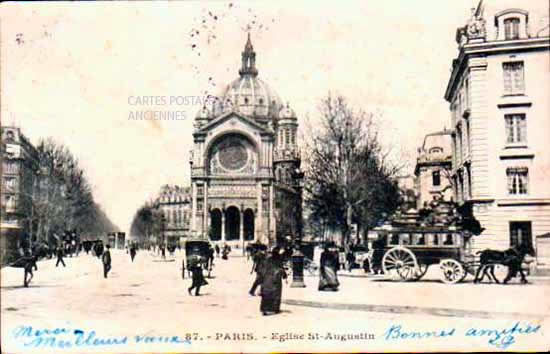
297 267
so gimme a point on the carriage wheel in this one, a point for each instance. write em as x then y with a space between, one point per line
417 273
452 270
420 271
400 261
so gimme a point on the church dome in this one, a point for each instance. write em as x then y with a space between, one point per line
248 94
252 97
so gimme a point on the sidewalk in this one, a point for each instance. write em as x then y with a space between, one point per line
428 296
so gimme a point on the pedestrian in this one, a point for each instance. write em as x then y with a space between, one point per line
350 258
210 258
132 252
197 276
30 263
162 252
225 251
98 249
248 250
60 256
328 280
366 265
272 283
106 260
183 268
378 253
217 248
258 267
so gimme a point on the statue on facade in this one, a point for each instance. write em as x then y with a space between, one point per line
475 29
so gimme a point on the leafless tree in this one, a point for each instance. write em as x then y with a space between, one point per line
61 196
348 171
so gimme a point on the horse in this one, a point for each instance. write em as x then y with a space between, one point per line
512 258
28 261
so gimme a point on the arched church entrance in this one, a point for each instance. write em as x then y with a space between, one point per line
232 223
215 225
248 225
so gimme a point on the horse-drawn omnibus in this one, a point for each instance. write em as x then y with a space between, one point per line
408 252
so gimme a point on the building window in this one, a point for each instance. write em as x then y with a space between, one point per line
516 128
10 203
11 167
10 183
518 180
520 233
511 28
287 136
513 78
436 178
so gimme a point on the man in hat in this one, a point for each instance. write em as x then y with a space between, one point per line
225 251
258 267
132 251
106 260
60 256
197 276
30 260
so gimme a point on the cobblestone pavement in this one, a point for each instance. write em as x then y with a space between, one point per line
149 298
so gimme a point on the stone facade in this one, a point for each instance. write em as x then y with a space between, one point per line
245 163
500 116
19 161
433 167
174 202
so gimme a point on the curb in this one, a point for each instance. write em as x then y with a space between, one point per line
397 309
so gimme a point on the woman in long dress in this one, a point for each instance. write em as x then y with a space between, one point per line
272 283
328 280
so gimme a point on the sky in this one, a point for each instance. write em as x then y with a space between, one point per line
77 72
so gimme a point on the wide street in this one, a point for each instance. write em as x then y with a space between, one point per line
149 298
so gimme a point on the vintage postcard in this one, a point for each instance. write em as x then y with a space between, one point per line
275 176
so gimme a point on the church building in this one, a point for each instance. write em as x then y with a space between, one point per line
245 163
